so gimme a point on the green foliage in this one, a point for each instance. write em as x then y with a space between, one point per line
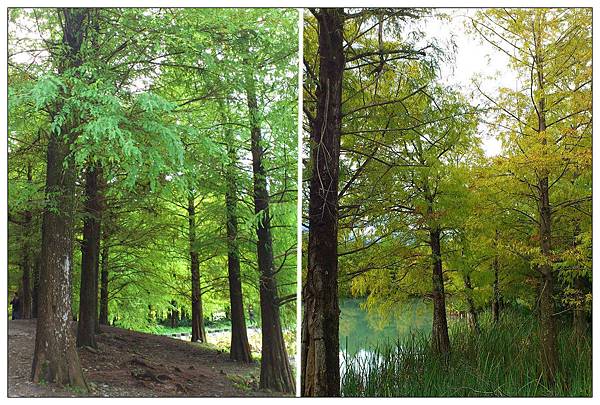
412 169
411 163
46 91
151 101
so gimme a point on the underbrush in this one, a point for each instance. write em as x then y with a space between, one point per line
503 360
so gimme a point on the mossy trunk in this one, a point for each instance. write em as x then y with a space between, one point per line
55 358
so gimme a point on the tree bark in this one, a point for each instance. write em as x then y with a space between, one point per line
440 338
103 317
198 330
26 260
174 315
547 328
97 288
320 370
36 285
90 253
275 371
240 348
549 354
55 358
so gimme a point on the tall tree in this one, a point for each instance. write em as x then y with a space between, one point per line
320 326
198 329
104 257
547 126
90 256
338 32
55 358
239 348
275 371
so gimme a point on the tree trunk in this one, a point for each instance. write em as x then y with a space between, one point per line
198 330
441 341
496 288
549 354
240 348
103 317
88 293
275 371
472 318
97 288
36 286
102 188
26 260
320 369
55 358
174 316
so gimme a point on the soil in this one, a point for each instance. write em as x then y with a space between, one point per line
135 364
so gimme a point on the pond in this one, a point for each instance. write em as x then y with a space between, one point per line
361 330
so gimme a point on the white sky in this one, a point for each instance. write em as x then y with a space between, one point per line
473 58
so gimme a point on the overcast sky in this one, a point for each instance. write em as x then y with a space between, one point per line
472 58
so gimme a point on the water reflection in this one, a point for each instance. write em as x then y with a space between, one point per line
361 330
363 358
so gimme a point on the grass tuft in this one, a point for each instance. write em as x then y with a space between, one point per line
502 361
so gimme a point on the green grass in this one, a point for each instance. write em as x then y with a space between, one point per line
165 330
209 325
502 361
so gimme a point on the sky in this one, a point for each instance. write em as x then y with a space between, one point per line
473 58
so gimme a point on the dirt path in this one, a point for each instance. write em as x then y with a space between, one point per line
133 364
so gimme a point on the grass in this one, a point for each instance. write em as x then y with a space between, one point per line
502 361
165 330
223 342
185 327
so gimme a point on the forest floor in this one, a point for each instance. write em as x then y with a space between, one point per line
135 364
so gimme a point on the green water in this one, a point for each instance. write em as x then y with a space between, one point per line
362 330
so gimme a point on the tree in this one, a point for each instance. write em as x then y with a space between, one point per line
320 326
547 127
90 256
419 190
198 330
167 200
240 348
275 371
55 358
338 31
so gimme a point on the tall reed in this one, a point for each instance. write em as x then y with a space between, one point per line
503 360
